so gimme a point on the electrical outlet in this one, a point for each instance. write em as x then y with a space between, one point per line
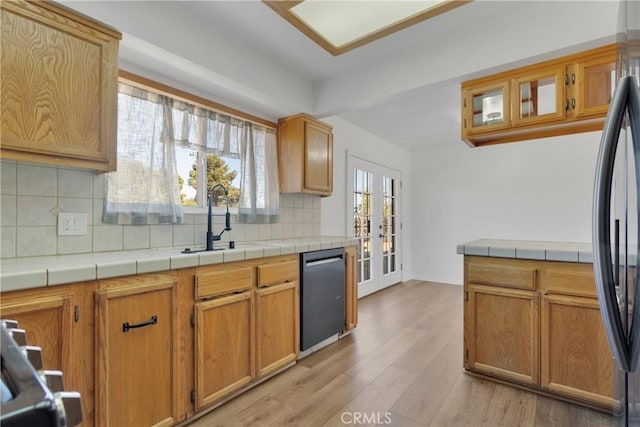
72 224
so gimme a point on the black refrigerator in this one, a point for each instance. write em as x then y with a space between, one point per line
616 204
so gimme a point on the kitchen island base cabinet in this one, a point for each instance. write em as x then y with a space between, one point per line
576 358
537 324
136 356
502 333
223 346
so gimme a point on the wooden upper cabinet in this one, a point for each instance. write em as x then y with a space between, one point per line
59 87
557 97
485 108
592 81
305 155
538 97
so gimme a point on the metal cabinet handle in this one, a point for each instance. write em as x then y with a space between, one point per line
126 326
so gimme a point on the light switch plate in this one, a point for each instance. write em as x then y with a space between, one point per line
72 224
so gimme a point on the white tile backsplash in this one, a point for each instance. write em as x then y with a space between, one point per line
36 211
74 183
75 244
8 210
31 195
265 232
98 186
160 236
98 206
36 241
183 235
34 180
136 237
75 205
107 238
308 201
7 178
8 238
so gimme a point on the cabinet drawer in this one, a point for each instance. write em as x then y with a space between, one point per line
281 272
223 281
513 276
572 281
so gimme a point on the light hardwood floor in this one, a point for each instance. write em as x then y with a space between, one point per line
402 366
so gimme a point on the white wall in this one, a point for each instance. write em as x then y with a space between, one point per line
533 190
358 142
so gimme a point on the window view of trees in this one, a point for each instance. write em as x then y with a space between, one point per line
218 172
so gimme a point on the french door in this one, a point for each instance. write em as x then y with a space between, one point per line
374 192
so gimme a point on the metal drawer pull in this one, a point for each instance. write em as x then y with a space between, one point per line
126 326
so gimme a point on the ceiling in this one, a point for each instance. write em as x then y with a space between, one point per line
403 88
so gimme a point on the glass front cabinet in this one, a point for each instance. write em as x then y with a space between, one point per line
557 97
486 108
538 97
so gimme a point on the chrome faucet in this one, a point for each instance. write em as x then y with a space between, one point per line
227 216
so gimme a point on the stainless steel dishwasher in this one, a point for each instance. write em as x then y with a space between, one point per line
321 297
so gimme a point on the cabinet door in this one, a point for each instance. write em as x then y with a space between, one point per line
351 291
575 356
137 336
501 333
593 82
224 346
57 320
59 88
538 97
277 326
485 107
318 159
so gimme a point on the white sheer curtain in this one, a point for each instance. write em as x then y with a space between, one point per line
144 189
208 131
259 185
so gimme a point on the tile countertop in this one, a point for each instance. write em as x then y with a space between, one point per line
529 249
34 272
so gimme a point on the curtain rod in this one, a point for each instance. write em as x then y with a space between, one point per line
181 95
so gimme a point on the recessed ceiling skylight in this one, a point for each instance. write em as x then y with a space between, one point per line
339 26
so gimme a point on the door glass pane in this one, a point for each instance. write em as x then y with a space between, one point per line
538 97
388 227
362 221
488 107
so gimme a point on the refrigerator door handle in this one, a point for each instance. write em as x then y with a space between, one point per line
633 105
601 223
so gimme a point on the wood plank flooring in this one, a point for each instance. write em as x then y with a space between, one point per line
402 366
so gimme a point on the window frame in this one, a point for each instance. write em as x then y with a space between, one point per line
155 86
